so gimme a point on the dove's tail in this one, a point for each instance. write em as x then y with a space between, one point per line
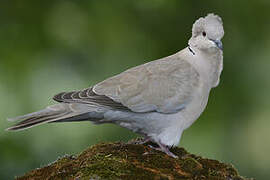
61 112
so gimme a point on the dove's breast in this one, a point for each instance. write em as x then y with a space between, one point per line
194 109
201 90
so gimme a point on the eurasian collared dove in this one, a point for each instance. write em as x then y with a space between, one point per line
158 99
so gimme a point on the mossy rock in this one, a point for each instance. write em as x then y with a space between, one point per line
132 161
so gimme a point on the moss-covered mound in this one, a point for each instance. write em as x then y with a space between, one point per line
131 161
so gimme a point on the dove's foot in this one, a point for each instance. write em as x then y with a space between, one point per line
163 148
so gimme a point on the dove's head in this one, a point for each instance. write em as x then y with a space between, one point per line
207 33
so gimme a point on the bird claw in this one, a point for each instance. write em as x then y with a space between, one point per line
162 147
165 149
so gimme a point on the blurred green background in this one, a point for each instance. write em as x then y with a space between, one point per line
51 46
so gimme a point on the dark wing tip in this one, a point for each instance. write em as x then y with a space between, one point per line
65 96
88 96
59 97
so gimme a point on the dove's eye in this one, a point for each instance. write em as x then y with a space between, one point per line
204 33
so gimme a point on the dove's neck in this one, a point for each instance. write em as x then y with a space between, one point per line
209 64
215 63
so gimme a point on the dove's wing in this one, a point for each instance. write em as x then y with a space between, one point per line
87 96
166 85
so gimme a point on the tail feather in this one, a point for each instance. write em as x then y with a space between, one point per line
57 113
22 125
29 116
89 116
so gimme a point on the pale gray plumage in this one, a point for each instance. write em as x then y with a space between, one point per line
158 99
153 86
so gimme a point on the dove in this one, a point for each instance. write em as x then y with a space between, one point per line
158 100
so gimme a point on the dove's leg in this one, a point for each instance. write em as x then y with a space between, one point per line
164 148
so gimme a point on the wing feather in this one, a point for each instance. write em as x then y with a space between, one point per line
87 96
166 85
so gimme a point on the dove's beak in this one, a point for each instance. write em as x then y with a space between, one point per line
218 44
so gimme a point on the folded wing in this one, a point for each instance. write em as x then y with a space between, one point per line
166 86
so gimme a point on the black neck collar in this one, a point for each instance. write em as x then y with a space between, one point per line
189 48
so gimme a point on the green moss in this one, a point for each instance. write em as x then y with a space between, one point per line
191 165
130 161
